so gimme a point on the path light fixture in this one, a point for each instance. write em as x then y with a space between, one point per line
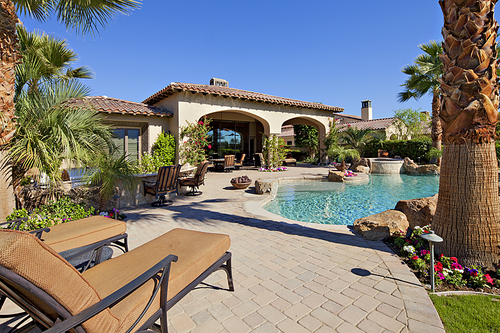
115 199
432 238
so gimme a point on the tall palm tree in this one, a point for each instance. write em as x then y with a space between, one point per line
45 58
468 208
81 16
424 78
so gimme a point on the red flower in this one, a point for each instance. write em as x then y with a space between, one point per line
438 267
488 278
441 255
455 260
414 258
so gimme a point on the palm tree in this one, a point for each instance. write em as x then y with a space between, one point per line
45 58
82 16
50 131
356 138
468 207
424 79
342 153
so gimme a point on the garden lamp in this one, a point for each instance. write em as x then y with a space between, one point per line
432 238
115 199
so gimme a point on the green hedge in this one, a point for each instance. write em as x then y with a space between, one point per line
413 148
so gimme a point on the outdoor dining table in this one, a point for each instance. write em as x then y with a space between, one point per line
218 163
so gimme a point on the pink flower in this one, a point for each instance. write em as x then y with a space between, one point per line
488 278
441 276
456 266
209 146
424 252
200 122
455 260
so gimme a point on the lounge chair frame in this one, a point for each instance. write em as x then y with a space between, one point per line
229 163
67 321
166 183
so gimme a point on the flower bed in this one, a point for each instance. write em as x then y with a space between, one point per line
449 273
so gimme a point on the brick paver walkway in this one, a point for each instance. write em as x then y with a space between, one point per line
289 276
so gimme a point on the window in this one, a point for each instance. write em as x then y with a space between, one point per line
289 143
127 141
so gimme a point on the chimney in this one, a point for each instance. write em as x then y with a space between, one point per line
218 82
366 110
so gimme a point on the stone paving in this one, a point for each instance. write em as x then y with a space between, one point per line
289 276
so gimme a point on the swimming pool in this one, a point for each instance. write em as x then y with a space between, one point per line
343 203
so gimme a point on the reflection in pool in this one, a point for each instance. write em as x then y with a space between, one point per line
343 203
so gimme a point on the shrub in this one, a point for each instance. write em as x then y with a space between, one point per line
194 141
413 148
163 154
60 211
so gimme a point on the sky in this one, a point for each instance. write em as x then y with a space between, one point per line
334 52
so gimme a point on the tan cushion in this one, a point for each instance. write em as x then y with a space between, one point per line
196 250
27 256
82 232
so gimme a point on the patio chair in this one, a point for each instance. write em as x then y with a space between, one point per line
228 163
239 163
126 293
166 183
197 180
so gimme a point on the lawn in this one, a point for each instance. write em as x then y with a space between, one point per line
469 314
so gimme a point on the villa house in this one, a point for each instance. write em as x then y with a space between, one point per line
239 118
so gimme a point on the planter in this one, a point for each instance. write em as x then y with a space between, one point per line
241 185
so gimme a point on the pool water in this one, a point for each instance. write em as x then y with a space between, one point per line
343 203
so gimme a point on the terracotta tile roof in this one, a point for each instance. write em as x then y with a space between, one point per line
350 116
113 105
175 87
374 124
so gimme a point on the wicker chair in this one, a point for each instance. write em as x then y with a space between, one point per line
239 163
123 294
166 183
228 163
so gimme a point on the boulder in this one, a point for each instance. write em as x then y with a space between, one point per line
360 162
419 212
266 185
361 168
382 225
412 168
335 176
428 169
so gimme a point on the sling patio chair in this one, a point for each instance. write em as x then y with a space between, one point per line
166 183
197 180
239 163
128 293
228 163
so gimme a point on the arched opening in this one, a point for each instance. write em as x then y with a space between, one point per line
234 133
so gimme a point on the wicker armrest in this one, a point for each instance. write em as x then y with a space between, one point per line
120 294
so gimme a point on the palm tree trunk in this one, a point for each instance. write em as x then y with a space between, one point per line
436 129
9 56
468 209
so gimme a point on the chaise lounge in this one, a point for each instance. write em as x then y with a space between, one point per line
127 293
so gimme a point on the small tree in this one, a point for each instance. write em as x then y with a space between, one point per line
306 137
411 123
342 153
274 151
356 138
194 140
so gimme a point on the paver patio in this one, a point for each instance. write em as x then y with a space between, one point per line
289 276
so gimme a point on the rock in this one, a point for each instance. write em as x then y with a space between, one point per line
382 225
428 169
412 168
266 185
335 176
362 161
419 212
363 169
